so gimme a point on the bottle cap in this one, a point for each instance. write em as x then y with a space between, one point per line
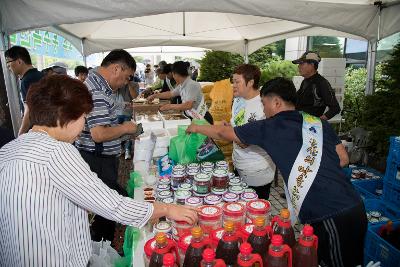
259 221
245 248
208 255
277 240
168 259
308 230
285 213
197 232
229 226
161 238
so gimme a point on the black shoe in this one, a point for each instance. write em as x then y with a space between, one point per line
282 195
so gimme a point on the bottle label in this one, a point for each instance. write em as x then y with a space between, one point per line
209 211
257 205
234 207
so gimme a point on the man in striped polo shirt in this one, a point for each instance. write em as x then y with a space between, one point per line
100 141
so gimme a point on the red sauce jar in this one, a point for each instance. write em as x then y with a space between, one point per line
210 218
258 208
234 212
220 178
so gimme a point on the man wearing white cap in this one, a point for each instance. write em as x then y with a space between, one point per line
315 93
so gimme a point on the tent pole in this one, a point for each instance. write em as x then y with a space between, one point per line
11 85
246 51
83 52
371 62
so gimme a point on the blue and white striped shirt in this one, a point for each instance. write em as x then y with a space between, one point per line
46 189
104 113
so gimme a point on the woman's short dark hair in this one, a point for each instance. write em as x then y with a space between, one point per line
81 69
166 69
281 87
58 99
249 72
119 56
181 68
19 52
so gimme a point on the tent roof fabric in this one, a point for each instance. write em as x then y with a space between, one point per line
220 25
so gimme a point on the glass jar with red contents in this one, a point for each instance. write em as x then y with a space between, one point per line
218 191
190 174
237 189
202 183
178 177
220 178
258 208
181 196
206 165
193 166
210 218
235 182
234 212
180 228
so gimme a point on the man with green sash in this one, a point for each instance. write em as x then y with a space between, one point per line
310 157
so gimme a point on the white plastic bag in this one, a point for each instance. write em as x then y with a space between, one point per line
103 255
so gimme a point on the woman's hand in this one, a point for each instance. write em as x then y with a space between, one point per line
191 129
166 107
151 97
175 212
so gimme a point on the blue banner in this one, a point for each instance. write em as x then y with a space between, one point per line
46 43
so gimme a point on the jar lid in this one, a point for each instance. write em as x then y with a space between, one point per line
249 190
221 163
212 199
233 209
168 200
247 196
193 166
258 206
210 213
207 164
164 180
162 187
178 173
202 177
230 197
163 227
218 191
220 172
237 189
200 195
244 185
192 172
185 186
193 201
235 181
179 167
184 242
207 170
164 194
355 171
231 175
182 194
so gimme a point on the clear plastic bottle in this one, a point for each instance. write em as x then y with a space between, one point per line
279 254
259 239
209 259
228 245
305 251
281 225
193 255
162 247
246 259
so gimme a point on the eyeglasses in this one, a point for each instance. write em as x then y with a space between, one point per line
7 62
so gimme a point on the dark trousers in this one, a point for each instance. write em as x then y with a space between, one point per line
106 168
341 238
263 190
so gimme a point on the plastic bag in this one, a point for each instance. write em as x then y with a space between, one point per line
221 100
183 148
103 255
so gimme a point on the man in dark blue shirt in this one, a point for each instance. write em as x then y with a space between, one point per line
331 206
19 62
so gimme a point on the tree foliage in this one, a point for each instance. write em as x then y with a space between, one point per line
278 68
382 112
218 65
327 46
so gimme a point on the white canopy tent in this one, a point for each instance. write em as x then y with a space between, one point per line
240 26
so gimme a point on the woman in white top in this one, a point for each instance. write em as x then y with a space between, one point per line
47 189
252 163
